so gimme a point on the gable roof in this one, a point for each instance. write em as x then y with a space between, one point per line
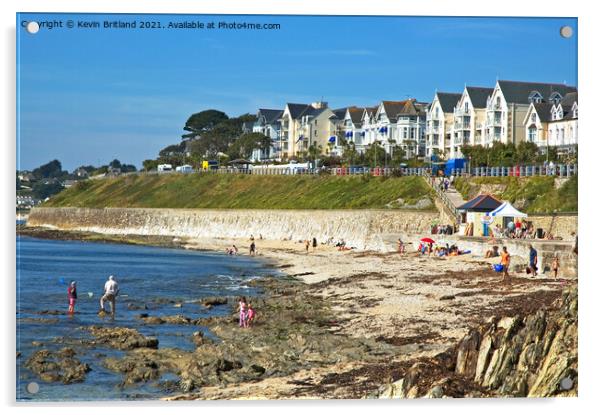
393 108
271 116
518 91
356 113
544 111
478 95
448 100
481 203
569 99
340 113
297 110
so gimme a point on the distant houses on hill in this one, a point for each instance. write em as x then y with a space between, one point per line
510 112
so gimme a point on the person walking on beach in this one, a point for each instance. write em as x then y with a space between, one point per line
72 296
400 247
505 262
307 246
252 248
555 266
242 310
314 243
111 291
533 260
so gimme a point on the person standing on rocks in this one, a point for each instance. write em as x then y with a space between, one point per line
72 295
242 310
505 263
111 291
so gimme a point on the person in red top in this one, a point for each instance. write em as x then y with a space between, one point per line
72 295
518 228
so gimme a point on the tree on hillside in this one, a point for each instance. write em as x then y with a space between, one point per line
48 170
526 152
149 165
314 151
43 190
115 164
246 143
173 150
203 121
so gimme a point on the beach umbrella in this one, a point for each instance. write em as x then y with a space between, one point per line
427 240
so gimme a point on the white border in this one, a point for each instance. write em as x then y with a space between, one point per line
589 85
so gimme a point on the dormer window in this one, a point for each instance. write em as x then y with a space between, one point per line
555 98
575 108
535 97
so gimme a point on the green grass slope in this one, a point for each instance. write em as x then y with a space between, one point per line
244 192
531 194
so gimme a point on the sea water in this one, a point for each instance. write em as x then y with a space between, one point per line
160 279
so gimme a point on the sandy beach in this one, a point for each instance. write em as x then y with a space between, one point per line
421 305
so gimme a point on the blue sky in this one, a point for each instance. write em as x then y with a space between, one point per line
87 96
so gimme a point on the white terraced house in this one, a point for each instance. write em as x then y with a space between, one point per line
411 128
440 124
553 124
509 103
268 124
369 128
396 123
352 128
470 114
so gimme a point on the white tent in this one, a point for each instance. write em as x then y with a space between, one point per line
506 210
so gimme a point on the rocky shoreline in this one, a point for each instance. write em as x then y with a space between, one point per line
342 325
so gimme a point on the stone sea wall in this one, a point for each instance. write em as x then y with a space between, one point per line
362 229
562 225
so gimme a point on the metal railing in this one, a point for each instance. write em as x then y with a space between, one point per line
560 170
449 205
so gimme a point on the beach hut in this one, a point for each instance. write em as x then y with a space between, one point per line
504 214
474 214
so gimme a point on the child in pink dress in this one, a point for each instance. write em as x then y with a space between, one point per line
242 308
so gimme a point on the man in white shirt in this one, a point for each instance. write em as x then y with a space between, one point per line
111 291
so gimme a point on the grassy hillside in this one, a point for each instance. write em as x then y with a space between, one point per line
532 194
245 192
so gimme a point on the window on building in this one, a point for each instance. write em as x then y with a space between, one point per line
555 98
466 106
535 97
532 134
533 117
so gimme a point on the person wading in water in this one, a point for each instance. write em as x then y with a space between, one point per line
72 295
111 291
